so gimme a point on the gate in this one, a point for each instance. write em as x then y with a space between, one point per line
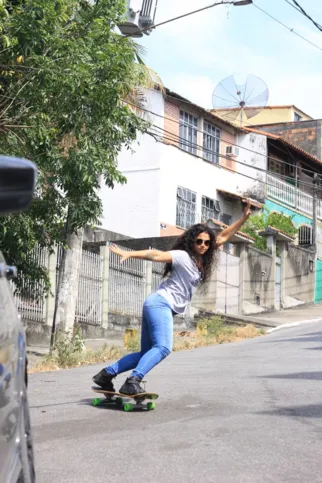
227 301
278 284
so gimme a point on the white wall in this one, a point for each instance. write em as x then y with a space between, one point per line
133 209
179 168
251 144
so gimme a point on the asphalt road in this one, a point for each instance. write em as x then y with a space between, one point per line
245 412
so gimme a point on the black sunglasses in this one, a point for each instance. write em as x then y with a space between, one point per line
199 242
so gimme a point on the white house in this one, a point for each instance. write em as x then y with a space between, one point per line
192 166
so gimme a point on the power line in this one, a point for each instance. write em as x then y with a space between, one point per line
288 28
303 12
153 27
174 137
219 138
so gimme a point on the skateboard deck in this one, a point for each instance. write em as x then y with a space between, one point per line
123 399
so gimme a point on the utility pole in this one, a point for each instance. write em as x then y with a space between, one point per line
314 226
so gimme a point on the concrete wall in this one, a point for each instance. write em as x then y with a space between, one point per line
298 281
257 281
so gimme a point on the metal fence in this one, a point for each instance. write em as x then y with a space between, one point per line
127 285
157 274
90 286
29 306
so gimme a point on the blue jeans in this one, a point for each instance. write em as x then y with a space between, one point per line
156 339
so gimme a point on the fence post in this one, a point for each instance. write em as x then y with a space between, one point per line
51 298
148 279
283 257
105 254
243 256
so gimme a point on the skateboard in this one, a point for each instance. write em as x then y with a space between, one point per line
120 399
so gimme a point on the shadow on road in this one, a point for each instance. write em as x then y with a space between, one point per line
305 411
311 376
104 405
308 338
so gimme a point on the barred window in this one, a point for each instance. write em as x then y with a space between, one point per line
188 132
186 208
305 235
210 209
211 143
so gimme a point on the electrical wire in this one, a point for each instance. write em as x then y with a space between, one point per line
288 28
175 138
219 138
303 12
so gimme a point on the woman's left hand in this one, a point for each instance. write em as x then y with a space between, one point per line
247 210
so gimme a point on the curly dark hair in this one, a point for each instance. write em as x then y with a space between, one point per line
186 242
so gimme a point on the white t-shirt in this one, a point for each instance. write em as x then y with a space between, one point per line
182 282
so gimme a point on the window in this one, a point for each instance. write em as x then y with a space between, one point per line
209 209
305 235
211 143
186 208
188 132
225 218
297 117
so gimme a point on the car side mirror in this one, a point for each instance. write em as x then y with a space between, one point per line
17 184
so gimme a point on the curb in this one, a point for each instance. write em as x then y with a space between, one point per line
294 324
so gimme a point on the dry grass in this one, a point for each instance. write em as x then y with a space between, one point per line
84 358
210 332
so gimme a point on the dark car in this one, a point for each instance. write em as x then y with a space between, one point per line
17 183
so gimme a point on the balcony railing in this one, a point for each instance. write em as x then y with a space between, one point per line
291 196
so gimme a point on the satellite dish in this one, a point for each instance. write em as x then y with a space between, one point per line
240 97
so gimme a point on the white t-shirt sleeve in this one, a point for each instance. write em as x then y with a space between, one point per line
180 258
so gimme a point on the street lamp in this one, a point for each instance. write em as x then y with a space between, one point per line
241 3
132 28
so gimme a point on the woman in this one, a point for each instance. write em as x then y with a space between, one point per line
188 265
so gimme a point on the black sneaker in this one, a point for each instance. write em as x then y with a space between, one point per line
104 380
131 387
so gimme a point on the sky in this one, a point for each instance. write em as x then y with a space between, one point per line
193 55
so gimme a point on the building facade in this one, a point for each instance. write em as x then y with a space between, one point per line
184 171
257 115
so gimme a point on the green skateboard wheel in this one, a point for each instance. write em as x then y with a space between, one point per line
128 407
150 406
96 401
119 400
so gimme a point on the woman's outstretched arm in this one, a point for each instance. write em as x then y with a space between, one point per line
228 232
150 255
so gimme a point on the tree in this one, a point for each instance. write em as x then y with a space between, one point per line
258 223
65 78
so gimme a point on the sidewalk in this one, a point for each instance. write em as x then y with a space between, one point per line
274 320
270 321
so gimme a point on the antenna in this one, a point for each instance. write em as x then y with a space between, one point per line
240 97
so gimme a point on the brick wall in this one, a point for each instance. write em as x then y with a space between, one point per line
306 135
171 123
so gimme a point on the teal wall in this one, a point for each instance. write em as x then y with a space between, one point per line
318 282
297 218
300 220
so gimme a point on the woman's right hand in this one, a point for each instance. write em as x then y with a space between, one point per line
121 253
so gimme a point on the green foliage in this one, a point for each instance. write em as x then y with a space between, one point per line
66 348
258 223
64 76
